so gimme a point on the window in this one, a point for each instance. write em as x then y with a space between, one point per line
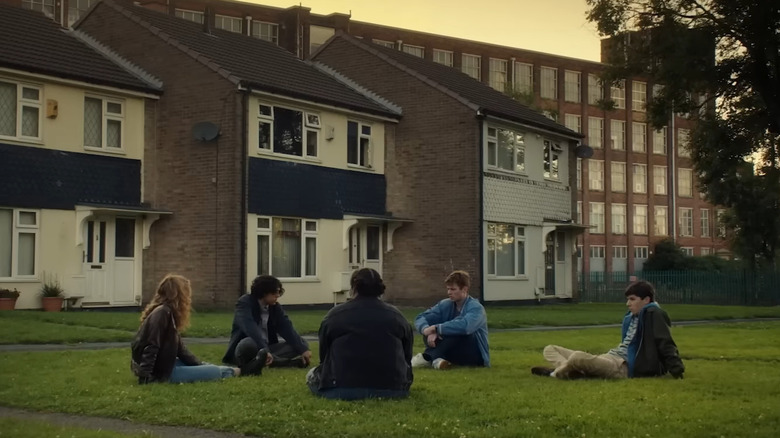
640 252
77 8
551 114
659 180
579 172
498 74
618 176
683 143
552 152
685 182
232 24
618 93
18 243
596 132
414 50
686 222
595 89
640 219
706 251
388 44
719 219
597 251
618 135
549 78
640 178
286 248
638 96
45 6
472 66
579 212
443 57
688 251
573 122
639 137
659 141
597 217
505 149
705 222
618 218
103 119
288 131
193 16
619 252
660 220
524 78
20 111
265 31
596 174
359 144
573 86
505 250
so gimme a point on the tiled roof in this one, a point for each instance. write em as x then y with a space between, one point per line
302 190
33 177
249 61
467 89
33 43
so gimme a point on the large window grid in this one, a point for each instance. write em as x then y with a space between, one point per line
661 220
18 243
705 222
573 122
596 217
287 247
266 31
619 252
641 252
596 132
618 218
505 250
288 131
388 44
685 182
232 24
639 137
595 90
618 176
659 180
103 123
20 111
618 94
194 16
686 222
659 141
640 219
498 74
596 174
471 65
417 51
618 135
505 149
683 143
638 96
444 57
640 178
524 78
45 6
549 78
573 86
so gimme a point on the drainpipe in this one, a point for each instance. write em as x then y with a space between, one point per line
242 271
481 188
673 180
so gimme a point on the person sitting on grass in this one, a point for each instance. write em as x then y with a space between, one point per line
365 346
454 330
647 348
258 322
158 353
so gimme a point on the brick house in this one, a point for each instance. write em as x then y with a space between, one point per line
74 122
489 183
285 177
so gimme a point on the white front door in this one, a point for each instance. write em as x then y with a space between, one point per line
124 262
365 247
96 260
109 261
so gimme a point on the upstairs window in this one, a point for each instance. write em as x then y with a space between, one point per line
472 66
618 93
549 78
103 123
505 150
20 111
552 153
618 135
595 89
45 6
573 86
596 132
288 131
232 24
524 78
359 144
194 16
498 74
638 96
414 50
659 141
266 31
443 57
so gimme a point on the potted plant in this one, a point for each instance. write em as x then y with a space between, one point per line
52 294
8 299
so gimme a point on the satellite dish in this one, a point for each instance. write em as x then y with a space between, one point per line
205 131
583 151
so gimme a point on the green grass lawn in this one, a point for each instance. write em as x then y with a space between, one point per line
35 327
731 388
16 428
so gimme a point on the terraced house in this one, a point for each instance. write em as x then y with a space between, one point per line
74 122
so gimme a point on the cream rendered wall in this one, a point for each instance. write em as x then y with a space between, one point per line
520 288
331 153
331 262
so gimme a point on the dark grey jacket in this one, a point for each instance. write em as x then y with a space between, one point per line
156 347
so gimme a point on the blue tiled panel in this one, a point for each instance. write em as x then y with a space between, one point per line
282 188
32 177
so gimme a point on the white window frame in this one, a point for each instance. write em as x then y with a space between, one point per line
638 137
265 228
686 222
641 252
552 159
498 74
596 132
471 65
518 246
685 182
518 149
573 122
659 141
705 251
639 185
704 220
572 86
596 217
17 229
597 251
190 15
659 180
596 175
619 212
444 57
638 96
579 173
660 221
76 8
20 105
687 250
618 176
265 31
618 94
105 118
524 78
639 219
579 212
45 6
383 43
618 135
417 51
721 227
595 90
549 83
363 157
619 252
683 142
310 127
228 23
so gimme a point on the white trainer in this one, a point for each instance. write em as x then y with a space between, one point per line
441 364
418 361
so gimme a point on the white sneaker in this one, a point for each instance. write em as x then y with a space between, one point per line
418 361
441 364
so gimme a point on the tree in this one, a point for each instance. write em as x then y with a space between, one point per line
718 62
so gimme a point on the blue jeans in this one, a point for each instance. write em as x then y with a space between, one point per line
458 350
198 373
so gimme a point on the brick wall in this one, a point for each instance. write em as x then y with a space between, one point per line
432 172
200 182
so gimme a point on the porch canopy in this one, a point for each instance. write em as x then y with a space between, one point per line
352 219
548 226
147 214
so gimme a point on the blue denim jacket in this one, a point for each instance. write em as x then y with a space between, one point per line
472 319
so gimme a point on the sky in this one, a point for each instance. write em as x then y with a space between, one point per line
551 26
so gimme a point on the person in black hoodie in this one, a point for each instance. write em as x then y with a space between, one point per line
158 353
365 346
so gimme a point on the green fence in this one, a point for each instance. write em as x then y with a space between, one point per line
738 288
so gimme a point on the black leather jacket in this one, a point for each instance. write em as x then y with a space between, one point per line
156 347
